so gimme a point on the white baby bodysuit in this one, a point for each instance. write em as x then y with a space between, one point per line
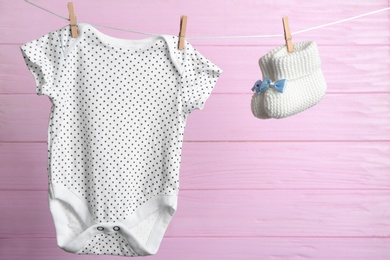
119 108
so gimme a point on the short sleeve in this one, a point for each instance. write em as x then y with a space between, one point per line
40 56
199 77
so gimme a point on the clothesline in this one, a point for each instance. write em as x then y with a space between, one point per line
228 36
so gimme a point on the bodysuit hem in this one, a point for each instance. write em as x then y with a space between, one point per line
64 202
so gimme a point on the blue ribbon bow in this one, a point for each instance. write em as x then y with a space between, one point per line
261 86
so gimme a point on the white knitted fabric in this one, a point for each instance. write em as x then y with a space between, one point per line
305 86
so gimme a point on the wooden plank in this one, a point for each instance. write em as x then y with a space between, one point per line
337 117
24 118
193 248
286 165
246 18
26 162
346 70
228 117
232 165
237 213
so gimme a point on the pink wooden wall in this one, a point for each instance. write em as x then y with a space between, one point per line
316 185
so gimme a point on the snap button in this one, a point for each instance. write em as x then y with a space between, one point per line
116 228
100 228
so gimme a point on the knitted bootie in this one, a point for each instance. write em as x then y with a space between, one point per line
292 82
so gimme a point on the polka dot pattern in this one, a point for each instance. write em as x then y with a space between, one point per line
119 109
108 244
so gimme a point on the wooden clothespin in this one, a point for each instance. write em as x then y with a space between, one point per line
287 35
182 33
72 19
